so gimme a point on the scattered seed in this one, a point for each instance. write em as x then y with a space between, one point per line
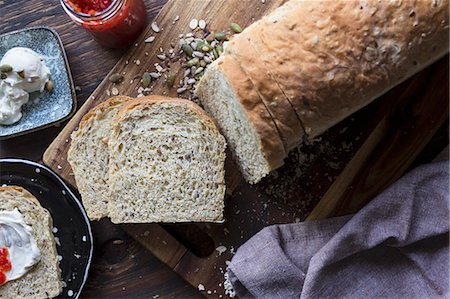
210 38
193 69
236 28
5 68
154 75
176 19
155 27
199 70
221 36
207 59
187 49
146 79
161 56
193 24
114 91
199 54
181 90
202 24
219 50
149 39
187 72
206 48
215 53
159 68
49 86
191 81
138 62
192 62
170 80
202 63
116 78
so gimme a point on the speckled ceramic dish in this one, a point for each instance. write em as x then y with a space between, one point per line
48 108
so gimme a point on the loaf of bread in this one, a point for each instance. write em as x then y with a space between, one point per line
88 156
325 60
44 279
166 163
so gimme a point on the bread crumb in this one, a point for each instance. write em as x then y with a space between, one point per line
201 287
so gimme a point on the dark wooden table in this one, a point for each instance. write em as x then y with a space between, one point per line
122 267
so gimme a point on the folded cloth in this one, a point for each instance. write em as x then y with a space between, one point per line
395 247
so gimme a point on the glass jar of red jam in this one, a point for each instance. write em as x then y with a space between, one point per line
112 23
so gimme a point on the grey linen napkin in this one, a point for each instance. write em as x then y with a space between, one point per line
395 247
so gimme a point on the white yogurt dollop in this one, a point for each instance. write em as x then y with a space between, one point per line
11 101
16 235
28 63
29 74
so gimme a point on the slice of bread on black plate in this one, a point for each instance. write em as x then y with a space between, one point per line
43 280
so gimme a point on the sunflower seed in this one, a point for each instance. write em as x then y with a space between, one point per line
154 75
155 27
149 39
199 54
191 81
193 24
199 70
202 24
207 59
187 72
181 90
193 69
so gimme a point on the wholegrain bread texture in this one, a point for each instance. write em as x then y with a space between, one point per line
331 58
166 163
44 279
230 98
88 156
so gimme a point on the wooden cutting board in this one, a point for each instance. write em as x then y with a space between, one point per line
337 174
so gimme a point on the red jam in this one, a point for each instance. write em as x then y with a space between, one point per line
112 23
90 7
5 264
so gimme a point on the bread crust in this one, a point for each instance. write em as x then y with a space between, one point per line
271 143
331 58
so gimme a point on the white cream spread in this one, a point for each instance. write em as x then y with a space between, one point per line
35 72
11 101
29 74
16 235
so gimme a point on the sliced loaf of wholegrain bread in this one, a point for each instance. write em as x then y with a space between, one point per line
230 98
88 156
44 279
166 163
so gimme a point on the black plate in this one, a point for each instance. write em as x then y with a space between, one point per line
69 218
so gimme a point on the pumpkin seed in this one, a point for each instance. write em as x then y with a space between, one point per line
202 63
210 37
5 68
199 45
187 49
216 54
206 48
49 86
170 80
236 28
146 79
116 78
221 36
192 62
21 74
219 49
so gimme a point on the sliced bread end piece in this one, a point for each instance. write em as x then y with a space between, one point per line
166 163
88 156
44 279
229 97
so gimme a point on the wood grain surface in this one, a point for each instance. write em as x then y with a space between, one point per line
350 159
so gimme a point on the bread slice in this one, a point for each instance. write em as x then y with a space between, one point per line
44 279
229 97
166 163
88 156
